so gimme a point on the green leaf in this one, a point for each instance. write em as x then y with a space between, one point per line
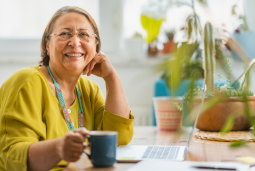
245 26
238 143
228 125
202 2
245 77
209 57
176 64
190 27
234 9
178 106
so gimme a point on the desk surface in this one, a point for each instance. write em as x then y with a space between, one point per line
199 150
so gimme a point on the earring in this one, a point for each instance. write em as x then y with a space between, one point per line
48 53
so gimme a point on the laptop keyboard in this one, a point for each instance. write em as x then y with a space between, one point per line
161 152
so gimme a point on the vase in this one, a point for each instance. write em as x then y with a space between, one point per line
134 49
168 117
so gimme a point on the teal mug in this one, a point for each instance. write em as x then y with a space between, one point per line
103 145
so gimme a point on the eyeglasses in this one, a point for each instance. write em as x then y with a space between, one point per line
83 36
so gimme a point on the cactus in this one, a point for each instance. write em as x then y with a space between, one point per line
208 57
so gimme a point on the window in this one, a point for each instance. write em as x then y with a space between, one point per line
22 24
28 18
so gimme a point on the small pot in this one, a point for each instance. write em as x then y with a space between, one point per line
169 47
213 119
168 117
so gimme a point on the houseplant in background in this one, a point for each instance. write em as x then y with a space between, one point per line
190 68
222 104
186 60
151 20
170 46
175 64
219 95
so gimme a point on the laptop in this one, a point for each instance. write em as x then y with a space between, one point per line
136 153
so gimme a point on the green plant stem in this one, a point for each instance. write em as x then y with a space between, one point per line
246 75
209 59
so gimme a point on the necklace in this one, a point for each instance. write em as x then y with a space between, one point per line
61 100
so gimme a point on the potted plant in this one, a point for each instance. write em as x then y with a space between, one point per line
185 60
177 63
222 104
169 46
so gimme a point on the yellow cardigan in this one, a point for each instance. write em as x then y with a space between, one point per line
30 112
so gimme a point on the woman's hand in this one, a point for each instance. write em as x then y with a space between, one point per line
72 145
99 66
116 101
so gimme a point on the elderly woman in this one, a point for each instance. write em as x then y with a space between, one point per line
46 110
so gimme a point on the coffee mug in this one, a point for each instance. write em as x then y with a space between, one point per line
103 145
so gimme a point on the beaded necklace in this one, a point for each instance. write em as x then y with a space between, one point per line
61 100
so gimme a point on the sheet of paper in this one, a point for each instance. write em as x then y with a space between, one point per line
164 165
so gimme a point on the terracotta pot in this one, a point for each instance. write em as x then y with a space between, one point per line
169 47
214 118
152 48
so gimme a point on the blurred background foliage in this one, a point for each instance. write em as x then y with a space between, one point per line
195 58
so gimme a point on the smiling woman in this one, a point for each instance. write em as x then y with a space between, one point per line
47 110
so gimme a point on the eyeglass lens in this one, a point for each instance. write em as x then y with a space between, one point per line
83 36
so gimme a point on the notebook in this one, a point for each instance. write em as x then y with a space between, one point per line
163 165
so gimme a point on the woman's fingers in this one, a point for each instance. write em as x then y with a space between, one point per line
91 64
73 144
76 147
89 73
75 137
99 66
82 131
97 59
73 156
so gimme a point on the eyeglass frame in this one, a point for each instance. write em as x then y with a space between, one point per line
72 33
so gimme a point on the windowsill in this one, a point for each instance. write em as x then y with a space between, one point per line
146 61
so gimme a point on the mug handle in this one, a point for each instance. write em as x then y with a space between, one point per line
88 137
